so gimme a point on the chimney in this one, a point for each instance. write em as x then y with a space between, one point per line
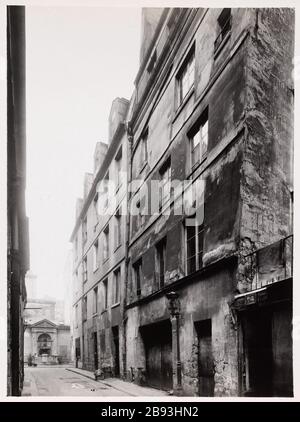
117 115
150 19
88 181
99 155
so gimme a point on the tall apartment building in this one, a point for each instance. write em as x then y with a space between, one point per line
207 281
99 253
17 222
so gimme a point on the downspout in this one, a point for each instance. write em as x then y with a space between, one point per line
127 236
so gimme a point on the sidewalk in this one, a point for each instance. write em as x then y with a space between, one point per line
29 386
129 388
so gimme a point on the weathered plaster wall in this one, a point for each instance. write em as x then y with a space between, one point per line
266 175
196 305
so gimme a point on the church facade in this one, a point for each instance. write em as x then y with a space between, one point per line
47 342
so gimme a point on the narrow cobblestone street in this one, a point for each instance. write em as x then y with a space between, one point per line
65 381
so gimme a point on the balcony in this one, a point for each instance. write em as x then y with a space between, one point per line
266 266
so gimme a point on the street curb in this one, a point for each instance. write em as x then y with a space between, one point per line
102 382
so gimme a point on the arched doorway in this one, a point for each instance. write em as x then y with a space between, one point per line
44 344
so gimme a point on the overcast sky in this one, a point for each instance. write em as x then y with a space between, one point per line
78 60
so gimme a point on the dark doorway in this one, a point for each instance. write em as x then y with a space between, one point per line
257 356
115 333
95 350
206 374
77 351
44 344
266 365
158 345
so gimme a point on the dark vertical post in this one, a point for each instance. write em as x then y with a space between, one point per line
174 308
18 256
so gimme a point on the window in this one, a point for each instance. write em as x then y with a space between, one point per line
95 255
198 140
194 247
84 230
165 183
95 202
116 289
137 269
106 243
118 161
143 150
161 262
105 190
224 27
152 62
84 308
118 229
141 209
186 77
95 301
105 288
84 265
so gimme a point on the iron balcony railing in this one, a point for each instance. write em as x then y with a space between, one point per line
267 265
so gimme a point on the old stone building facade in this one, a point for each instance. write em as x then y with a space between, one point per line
99 253
17 221
206 287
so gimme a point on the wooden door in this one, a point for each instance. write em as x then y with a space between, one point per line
205 359
158 344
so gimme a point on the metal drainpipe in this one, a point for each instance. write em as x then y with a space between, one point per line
127 236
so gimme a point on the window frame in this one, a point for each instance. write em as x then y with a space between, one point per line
199 234
118 229
118 167
116 286
165 169
138 276
224 30
202 122
161 255
95 255
84 269
188 62
105 191
106 243
140 215
84 230
95 300
143 150
95 203
105 291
